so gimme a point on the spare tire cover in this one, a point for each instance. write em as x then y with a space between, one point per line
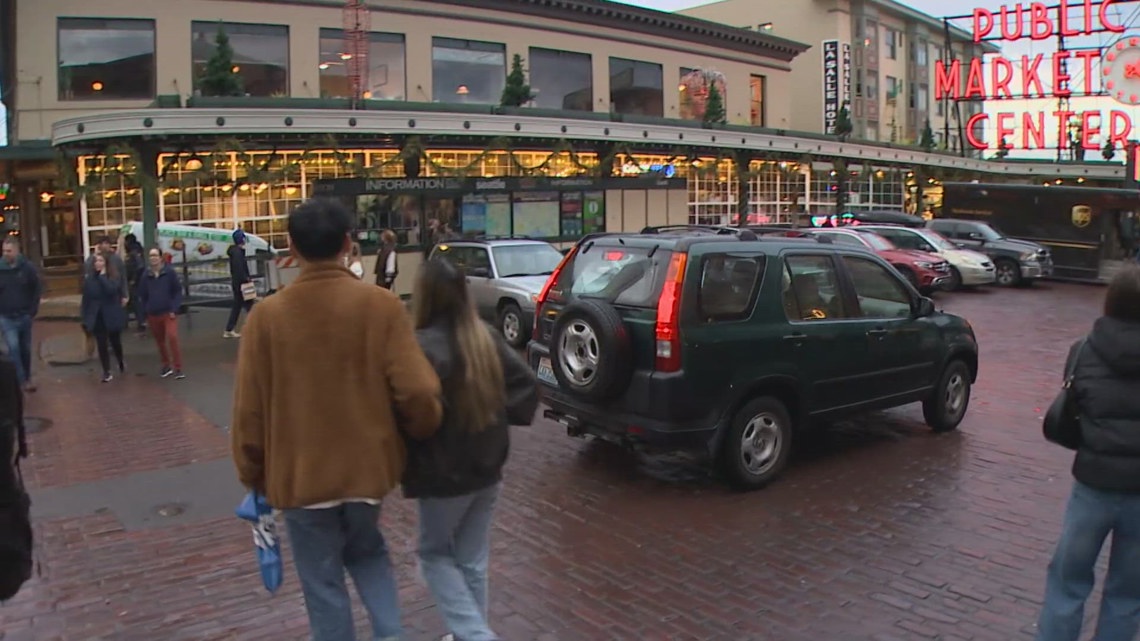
591 351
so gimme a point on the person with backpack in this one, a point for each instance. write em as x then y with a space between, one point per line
15 505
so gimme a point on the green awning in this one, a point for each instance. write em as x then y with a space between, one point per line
28 150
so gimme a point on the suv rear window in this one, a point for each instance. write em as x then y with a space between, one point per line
614 273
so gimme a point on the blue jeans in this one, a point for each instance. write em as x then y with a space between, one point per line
1092 514
455 542
325 543
17 333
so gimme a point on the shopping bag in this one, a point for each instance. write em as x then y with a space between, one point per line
248 291
255 509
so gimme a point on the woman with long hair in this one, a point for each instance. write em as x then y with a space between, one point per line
102 312
1105 371
455 474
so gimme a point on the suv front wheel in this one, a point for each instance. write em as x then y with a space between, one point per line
511 325
947 404
758 444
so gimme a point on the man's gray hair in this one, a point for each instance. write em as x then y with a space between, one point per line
11 240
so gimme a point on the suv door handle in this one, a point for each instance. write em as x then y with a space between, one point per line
878 332
797 337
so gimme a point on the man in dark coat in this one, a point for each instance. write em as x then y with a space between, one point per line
20 291
239 275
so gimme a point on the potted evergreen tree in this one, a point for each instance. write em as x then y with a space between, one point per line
219 78
714 107
926 141
516 92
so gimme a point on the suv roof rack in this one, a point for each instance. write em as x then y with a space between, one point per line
743 233
486 237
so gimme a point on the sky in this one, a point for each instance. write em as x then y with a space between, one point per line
1126 12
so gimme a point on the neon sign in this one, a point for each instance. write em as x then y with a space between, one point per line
1120 75
5 189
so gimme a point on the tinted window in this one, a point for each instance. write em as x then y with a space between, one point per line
905 239
636 88
384 77
880 293
947 229
101 58
261 56
562 79
614 273
465 258
843 239
810 289
728 286
467 71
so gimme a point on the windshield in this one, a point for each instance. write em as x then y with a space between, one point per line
937 239
988 232
877 242
526 260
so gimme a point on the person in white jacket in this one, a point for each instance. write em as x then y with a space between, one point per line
354 261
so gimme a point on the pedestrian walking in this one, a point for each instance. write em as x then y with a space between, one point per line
135 263
354 261
160 293
455 474
20 291
240 284
386 268
103 315
1105 380
318 416
103 247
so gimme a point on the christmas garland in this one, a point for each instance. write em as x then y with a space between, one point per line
120 161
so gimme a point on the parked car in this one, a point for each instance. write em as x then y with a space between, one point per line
504 277
1017 262
967 268
855 218
737 344
926 272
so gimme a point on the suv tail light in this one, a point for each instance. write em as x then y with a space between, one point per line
668 328
546 288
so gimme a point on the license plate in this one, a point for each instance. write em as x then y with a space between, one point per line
546 372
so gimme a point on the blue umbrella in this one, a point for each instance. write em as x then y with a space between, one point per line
255 509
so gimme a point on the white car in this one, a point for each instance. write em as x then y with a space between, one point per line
967 268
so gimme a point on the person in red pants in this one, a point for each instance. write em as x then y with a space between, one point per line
160 293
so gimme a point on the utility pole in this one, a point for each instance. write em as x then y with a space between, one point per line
1062 100
947 56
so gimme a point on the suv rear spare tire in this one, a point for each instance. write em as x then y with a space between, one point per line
758 444
590 351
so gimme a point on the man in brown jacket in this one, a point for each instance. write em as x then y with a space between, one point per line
329 374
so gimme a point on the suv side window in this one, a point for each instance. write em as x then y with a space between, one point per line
949 230
905 239
478 258
880 294
811 289
728 286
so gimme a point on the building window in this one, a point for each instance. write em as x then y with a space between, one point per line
872 85
894 39
871 35
562 79
261 54
872 130
713 196
636 88
106 58
911 96
859 83
922 97
939 107
776 193
468 71
693 91
894 88
756 86
385 63
920 52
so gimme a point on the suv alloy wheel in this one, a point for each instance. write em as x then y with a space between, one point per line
511 325
758 444
590 351
949 399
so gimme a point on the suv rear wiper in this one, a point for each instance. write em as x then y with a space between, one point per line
516 275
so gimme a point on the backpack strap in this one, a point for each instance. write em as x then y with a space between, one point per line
1071 370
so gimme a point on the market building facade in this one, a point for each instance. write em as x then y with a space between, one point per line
619 103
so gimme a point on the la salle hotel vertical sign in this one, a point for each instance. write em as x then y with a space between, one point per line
831 85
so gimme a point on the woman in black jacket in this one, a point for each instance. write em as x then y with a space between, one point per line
102 312
1106 493
455 474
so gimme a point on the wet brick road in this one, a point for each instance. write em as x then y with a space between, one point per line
880 530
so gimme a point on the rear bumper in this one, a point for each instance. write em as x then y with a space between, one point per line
613 422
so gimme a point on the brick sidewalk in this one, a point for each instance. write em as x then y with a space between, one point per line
880 530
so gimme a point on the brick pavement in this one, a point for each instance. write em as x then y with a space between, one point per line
880 529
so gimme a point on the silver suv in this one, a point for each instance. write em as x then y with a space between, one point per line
504 277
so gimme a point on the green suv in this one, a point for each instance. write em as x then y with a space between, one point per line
718 339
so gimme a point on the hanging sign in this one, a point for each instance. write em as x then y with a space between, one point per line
831 86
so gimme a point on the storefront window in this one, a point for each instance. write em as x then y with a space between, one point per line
562 79
385 66
713 193
468 71
636 88
111 200
776 192
102 58
261 54
875 190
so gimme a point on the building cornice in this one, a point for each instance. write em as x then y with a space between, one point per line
230 122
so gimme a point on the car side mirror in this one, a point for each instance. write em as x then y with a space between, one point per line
479 272
924 308
960 244
976 236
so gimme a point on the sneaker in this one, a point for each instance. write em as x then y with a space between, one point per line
231 334
107 378
178 375
29 387
166 372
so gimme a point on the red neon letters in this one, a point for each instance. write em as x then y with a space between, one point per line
1004 81
1035 22
1033 127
